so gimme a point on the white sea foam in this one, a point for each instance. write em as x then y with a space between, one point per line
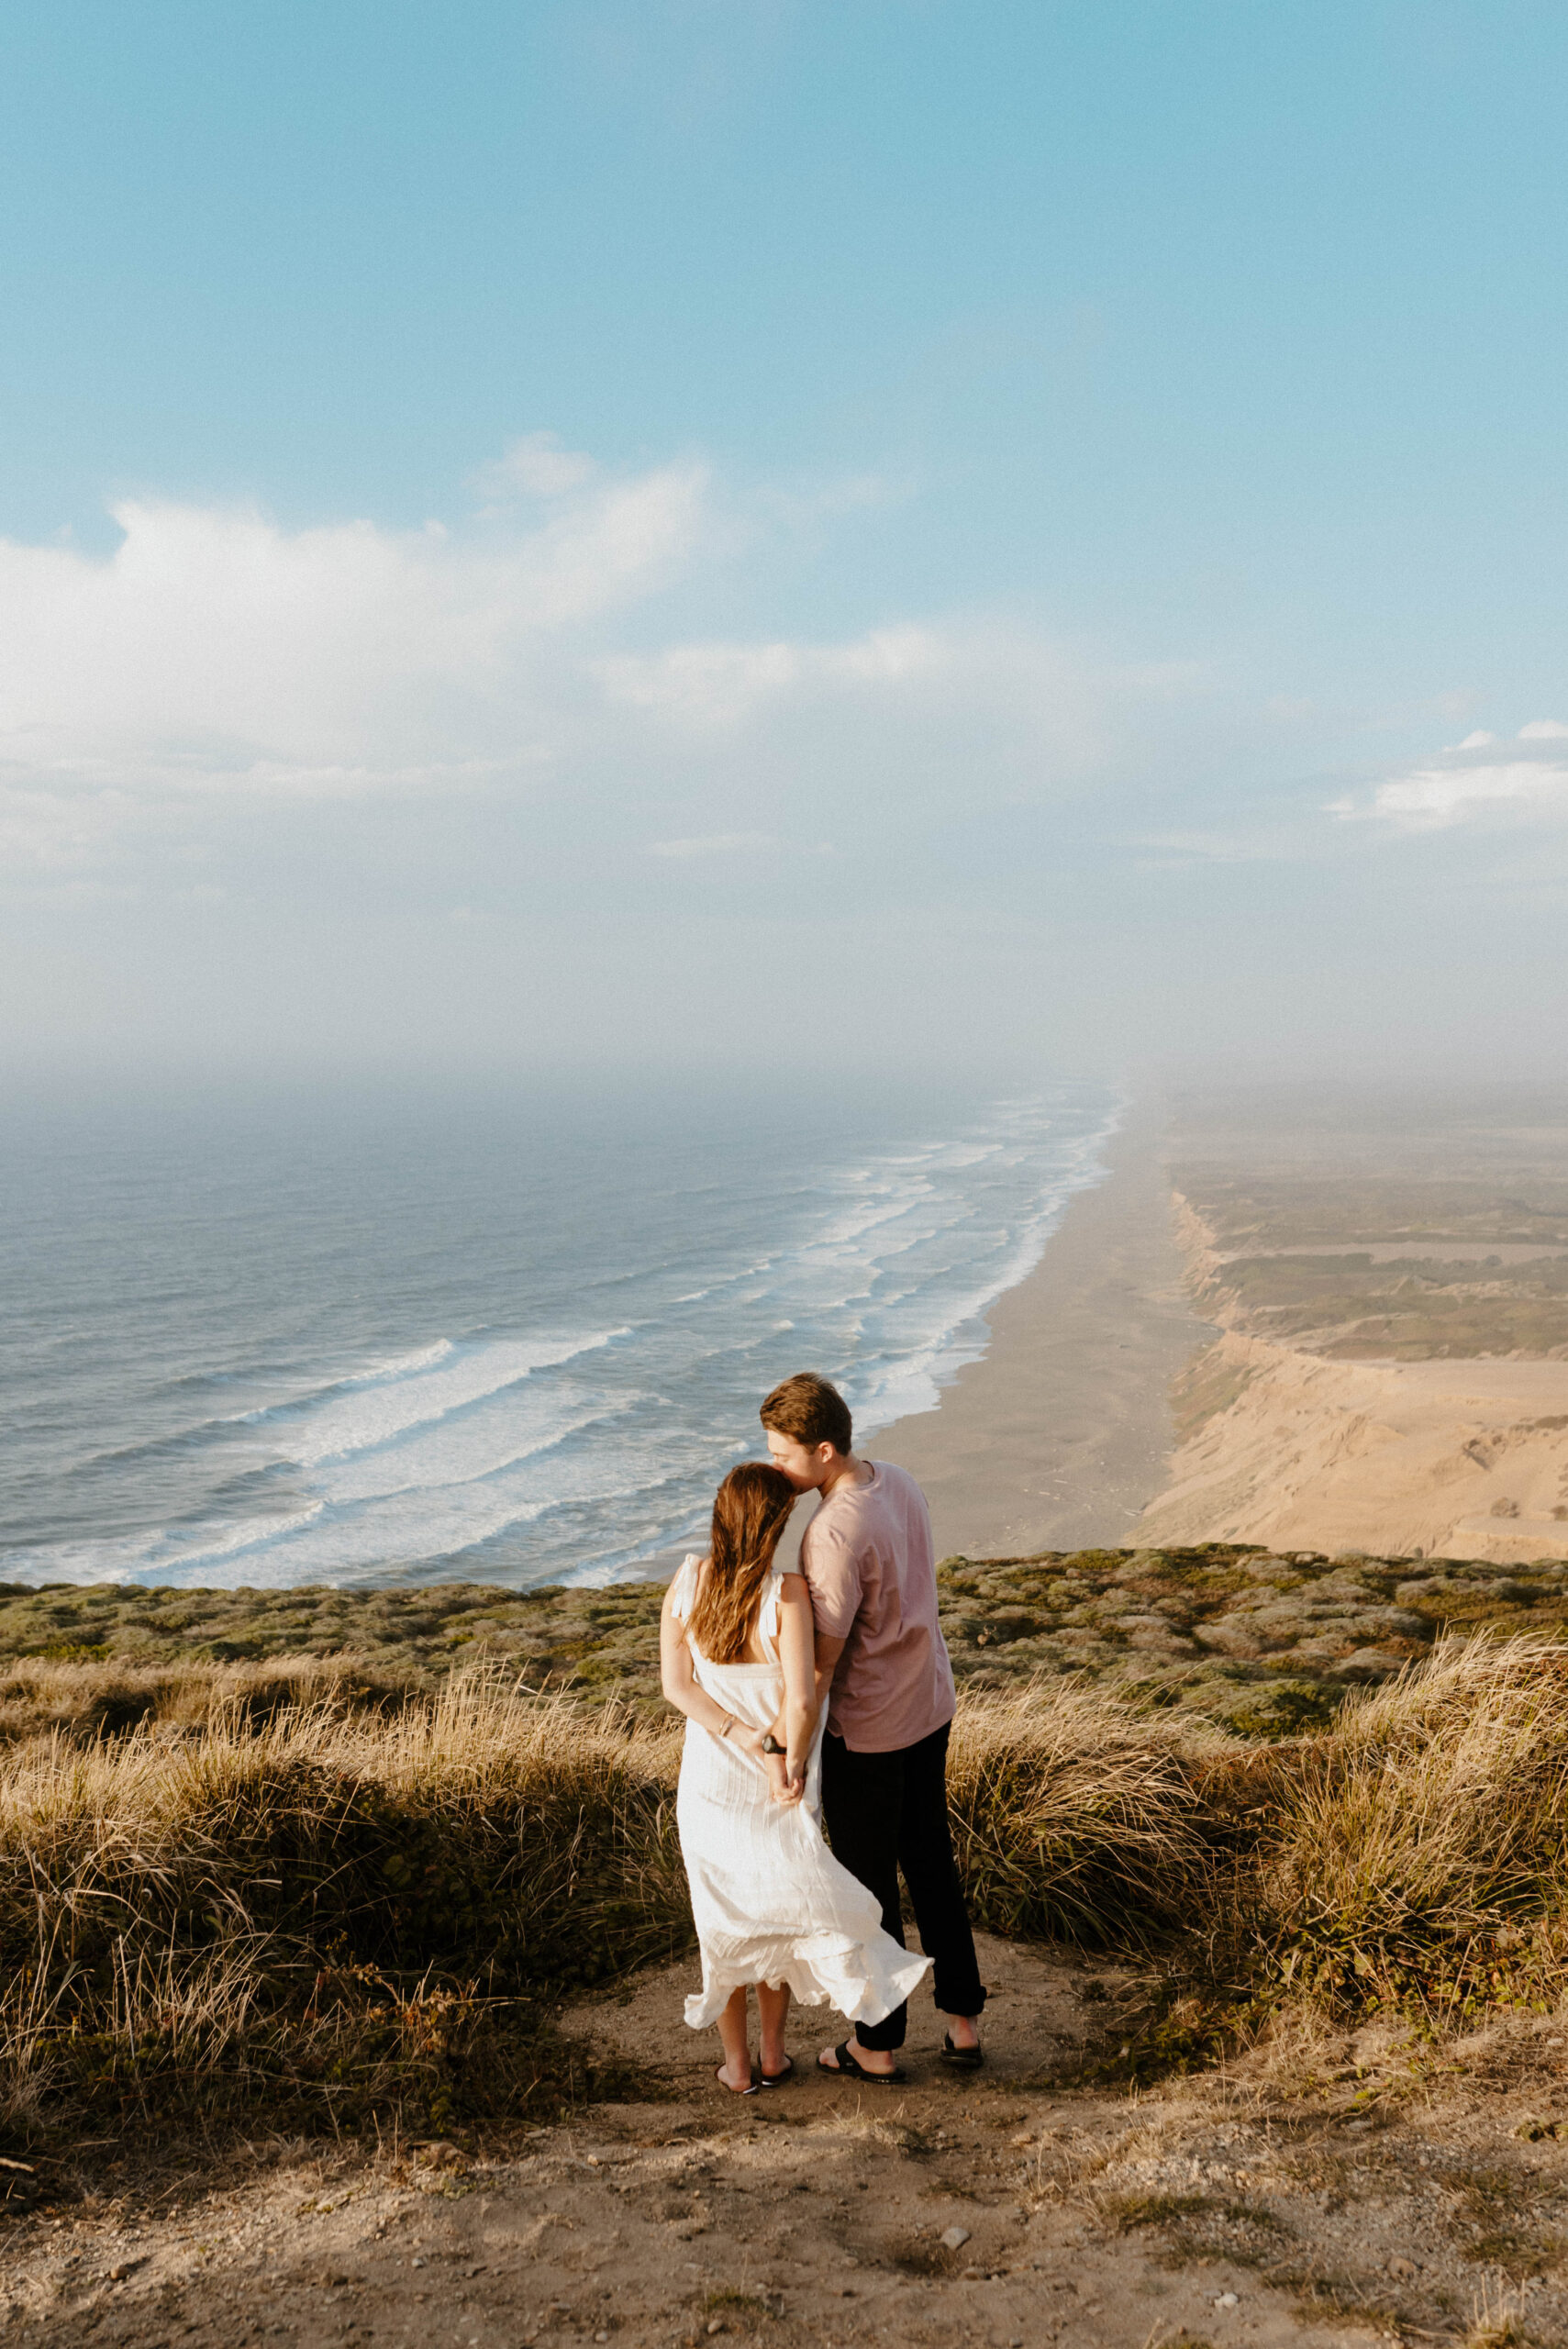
498 1434
403 1365
158 1556
376 1412
314 1390
399 1532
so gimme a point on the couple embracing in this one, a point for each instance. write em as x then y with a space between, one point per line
823 1696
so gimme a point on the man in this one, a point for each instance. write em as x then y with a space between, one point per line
869 1564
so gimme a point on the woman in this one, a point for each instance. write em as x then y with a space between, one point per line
772 1907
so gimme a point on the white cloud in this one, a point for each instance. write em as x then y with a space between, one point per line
802 505
719 844
214 651
213 637
1178 849
1435 797
1001 709
707 686
1462 786
536 466
216 662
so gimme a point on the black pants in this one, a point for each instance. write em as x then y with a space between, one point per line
888 1811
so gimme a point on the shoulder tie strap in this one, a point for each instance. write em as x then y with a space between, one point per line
683 1589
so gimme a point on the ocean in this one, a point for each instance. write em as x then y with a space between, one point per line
511 1334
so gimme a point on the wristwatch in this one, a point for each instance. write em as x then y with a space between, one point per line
772 1746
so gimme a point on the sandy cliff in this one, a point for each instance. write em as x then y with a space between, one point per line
1391 1372
1449 1459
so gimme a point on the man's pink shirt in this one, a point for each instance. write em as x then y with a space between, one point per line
869 1562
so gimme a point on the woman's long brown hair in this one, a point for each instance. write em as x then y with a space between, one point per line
750 1511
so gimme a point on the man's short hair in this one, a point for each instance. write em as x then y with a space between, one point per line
810 1411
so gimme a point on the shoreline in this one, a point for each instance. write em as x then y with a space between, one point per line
1059 1436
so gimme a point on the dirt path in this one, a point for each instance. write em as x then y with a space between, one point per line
1000 2208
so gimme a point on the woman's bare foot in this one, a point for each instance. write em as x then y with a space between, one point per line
964 2030
735 2072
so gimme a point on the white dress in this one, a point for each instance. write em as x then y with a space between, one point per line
771 1902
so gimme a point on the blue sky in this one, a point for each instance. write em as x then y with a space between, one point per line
524 525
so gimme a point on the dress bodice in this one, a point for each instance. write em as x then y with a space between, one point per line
682 1598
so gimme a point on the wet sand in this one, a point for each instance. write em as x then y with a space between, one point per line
1058 1439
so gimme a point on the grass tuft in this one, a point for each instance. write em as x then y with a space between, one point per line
1419 1860
338 1912
1076 1818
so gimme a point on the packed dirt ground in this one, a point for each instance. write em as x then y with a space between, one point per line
1328 2192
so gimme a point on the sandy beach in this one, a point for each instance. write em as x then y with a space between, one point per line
1058 1438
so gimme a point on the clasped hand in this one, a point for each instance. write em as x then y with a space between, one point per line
782 1788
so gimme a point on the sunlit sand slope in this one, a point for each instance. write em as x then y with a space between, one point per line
1391 1293
1450 1459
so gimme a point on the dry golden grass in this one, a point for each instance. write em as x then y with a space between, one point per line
282 1888
1421 1852
330 1907
88 1700
1076 1817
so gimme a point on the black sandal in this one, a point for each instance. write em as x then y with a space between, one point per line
724 2084
775 2079
961 2059
853 2071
